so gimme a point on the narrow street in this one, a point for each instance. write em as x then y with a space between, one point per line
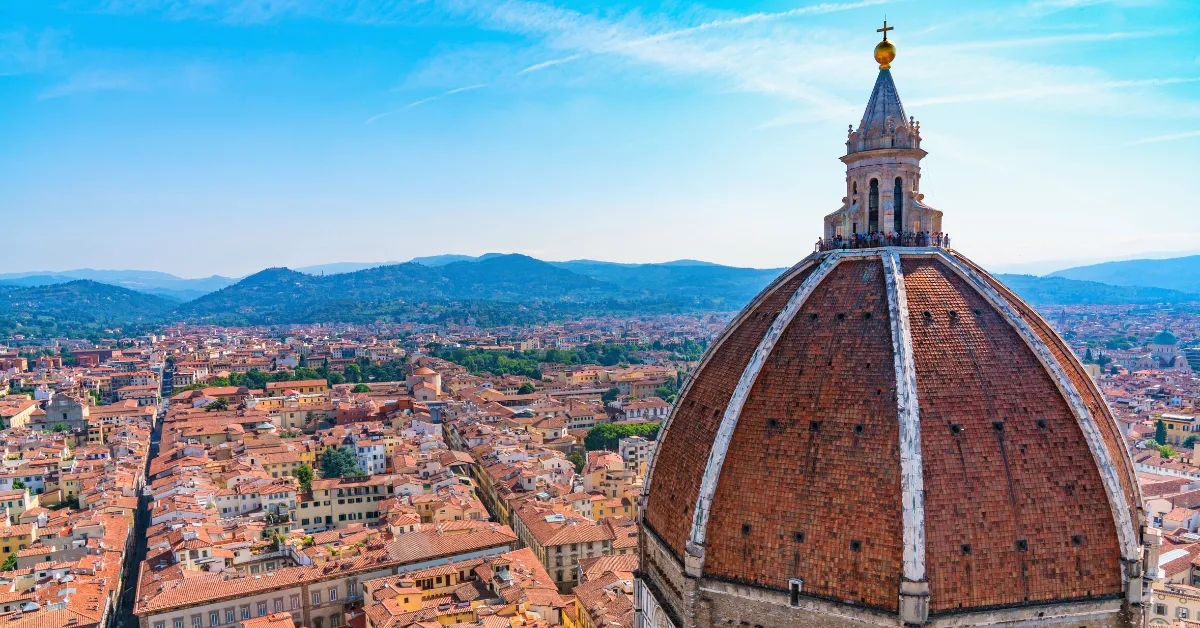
125 616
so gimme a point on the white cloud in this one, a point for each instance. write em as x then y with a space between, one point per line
549 64
418 103
1167 138
92 81
23 52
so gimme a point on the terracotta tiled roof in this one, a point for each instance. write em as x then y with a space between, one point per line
810 486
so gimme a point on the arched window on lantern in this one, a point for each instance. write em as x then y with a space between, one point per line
898 205
873 207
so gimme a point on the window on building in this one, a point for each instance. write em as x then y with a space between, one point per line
229 615
262 609
873 207
178 623
214 618
279 605
196 621
1160 609
333 592
295 602
898 205
316 596
245 612
1181 612
794 587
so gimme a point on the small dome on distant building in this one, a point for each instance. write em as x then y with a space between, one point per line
1165 337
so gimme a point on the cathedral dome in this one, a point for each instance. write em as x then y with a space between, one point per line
891 414
888 434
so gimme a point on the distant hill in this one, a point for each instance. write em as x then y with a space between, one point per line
284 295
1178 273
491 289
79 307
731 286
1063 291
36 280
149 281
341 267
442 260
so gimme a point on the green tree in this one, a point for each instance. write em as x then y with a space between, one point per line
18 484
339 462
609 435
610 395
10 563
360 388
353 373
1166 452
1160 432
577 459
1190 441
220 405
60 427
525 389
304 475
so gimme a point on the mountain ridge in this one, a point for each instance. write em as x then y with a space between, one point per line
1174 273
503 289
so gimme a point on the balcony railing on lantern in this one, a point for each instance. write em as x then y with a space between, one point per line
877 240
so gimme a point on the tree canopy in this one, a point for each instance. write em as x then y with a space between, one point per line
609 435
338 462
304 475
1160 432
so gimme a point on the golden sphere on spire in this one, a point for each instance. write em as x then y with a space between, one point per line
885 53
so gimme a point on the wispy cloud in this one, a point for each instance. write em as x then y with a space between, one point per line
1047 40
418 103
92 81
22 51
1045 91
754 18
549 64
120 76
1167 138
782 54
1044 7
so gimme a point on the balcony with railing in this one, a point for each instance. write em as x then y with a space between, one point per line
879 240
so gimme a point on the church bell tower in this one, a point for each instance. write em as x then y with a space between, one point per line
883 165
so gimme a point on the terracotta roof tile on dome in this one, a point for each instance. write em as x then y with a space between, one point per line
697 414
1017 490
833 484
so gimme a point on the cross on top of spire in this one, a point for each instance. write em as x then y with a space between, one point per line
885 30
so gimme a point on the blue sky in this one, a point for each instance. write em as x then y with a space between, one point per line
224 136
